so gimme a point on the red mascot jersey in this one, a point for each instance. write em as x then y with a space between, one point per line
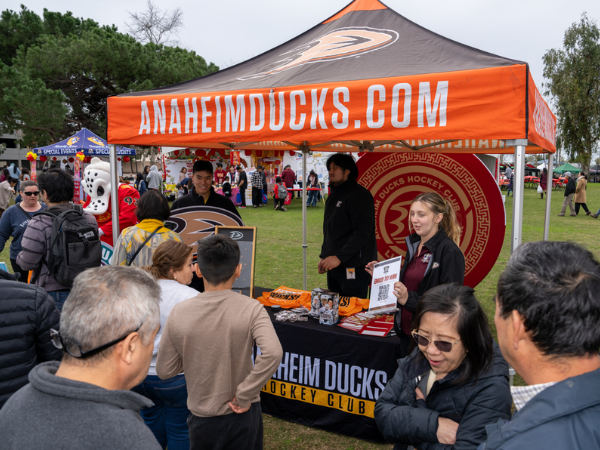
128 197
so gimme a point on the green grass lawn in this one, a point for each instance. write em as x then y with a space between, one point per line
279 262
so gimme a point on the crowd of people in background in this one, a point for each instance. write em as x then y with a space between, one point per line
142 336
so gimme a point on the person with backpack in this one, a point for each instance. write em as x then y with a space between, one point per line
280 193
61 241
14 223
136 244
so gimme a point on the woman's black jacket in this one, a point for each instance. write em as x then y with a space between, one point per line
406 421
447 265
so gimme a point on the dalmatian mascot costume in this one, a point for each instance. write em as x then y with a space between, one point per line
96 183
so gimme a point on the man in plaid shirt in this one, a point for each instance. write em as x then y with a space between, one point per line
256 180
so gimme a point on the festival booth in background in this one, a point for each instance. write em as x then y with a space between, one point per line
273 161
77 150
566 167
417 104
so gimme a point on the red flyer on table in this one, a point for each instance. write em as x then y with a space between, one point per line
380 329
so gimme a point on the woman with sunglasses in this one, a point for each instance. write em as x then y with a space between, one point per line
172 267
433 258
453 384
14 223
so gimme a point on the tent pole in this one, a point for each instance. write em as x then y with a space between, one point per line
304 180
114 196
518 191
548 197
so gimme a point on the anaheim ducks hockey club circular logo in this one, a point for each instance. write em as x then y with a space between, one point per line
396 179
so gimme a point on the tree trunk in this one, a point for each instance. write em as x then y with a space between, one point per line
153 154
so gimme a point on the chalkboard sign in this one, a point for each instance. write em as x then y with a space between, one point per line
198 222
246 239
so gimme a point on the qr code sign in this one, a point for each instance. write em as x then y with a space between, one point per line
384 292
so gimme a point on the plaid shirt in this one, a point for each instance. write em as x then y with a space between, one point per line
522 394
256 179
288 177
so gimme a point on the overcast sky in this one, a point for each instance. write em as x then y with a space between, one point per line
227 32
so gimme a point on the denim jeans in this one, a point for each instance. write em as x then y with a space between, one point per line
59 298
312 198
168 417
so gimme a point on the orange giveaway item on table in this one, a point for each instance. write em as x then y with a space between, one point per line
289 298
351 305
286 297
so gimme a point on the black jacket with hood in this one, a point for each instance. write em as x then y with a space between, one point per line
570 188
447 265
27 313
349 225
403 419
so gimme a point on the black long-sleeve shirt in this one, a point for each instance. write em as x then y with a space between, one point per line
217 200
349 225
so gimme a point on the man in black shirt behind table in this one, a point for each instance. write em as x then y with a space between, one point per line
203 192
348 230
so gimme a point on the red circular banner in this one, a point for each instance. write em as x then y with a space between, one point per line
395 179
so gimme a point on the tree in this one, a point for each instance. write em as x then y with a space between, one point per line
74 65
101 63
154 25
23 29
28 107
574 74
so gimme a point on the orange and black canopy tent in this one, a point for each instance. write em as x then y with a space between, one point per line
367 78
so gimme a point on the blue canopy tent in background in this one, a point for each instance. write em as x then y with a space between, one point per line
83 141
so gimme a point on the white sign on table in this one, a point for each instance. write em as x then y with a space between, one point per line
385 274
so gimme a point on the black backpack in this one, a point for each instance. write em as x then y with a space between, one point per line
74 245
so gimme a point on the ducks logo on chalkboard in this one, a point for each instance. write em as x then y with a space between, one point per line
198 222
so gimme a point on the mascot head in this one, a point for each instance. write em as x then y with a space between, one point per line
96 183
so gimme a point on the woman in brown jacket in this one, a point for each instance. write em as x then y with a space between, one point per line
580 196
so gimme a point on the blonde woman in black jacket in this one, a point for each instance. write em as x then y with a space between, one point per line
433 258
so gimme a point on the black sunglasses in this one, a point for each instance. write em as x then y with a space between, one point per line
29 194
442 346
73 347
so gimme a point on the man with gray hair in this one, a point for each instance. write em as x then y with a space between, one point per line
569 193
107 331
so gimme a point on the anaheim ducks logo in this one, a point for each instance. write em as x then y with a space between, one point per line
74 140
96 141
198 222
337 44
396 179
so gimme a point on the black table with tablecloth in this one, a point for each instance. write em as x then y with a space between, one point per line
329 377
